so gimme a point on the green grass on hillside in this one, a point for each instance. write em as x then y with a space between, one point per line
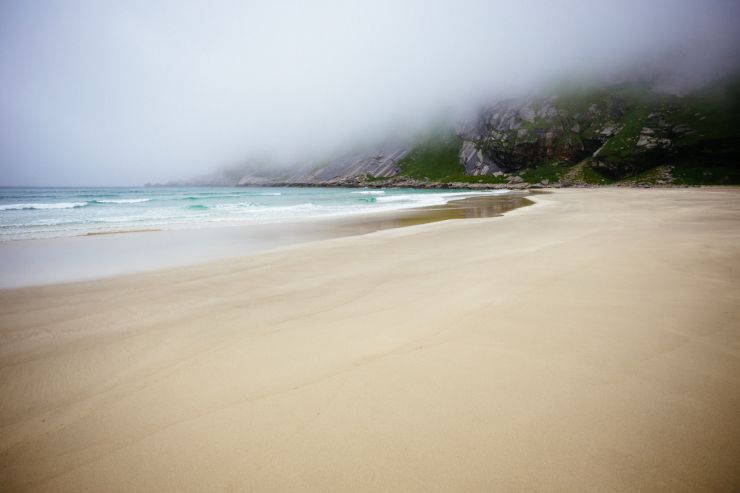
687 173
434 158
553 172
437 158
623 144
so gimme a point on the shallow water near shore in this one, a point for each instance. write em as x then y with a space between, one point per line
32 213
104 253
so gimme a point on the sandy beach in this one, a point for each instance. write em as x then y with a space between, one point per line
590 342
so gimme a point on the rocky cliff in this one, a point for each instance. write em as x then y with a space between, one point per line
618 132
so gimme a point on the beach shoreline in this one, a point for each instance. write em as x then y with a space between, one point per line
589 342
98 255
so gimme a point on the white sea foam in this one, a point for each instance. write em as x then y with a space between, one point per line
255 209
58 205
239 206
121 201
164 209
405 201
397 198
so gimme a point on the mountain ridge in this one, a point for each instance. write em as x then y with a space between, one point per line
592 135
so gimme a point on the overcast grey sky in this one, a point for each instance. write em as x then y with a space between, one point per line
102 92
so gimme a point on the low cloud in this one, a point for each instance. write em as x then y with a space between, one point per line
113 93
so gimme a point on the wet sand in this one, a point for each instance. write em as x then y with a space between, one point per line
590 342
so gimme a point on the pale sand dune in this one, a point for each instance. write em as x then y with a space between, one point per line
588 343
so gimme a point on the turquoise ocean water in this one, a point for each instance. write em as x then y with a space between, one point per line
28 213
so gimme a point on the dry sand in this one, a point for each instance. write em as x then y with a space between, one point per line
588 343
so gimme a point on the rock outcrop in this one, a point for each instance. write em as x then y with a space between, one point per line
475 162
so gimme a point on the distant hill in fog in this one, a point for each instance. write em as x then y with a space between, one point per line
620 133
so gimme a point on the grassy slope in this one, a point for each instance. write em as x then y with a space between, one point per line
436 157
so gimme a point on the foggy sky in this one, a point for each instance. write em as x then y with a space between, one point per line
120 93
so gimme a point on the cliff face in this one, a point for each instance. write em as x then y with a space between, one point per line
517 134
619 131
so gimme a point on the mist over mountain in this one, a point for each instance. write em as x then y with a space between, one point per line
101 94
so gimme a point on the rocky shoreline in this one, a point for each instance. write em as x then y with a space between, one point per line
403 182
